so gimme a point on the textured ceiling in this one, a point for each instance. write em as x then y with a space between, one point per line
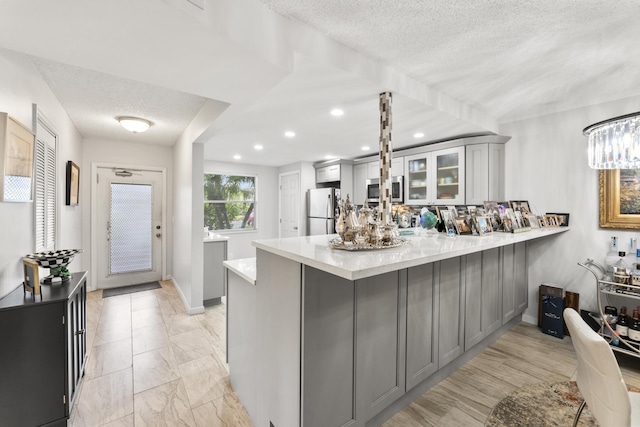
94 100
512 59
454 67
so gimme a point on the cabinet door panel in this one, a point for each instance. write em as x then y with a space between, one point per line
328 350
422 345
521 294
477 177
474 329
451 311
359 183
33 357
380 330
508 284
449 175
491 291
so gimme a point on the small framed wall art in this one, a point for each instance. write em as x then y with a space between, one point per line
73 184
16 160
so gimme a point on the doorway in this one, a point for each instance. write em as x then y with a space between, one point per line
128 222
290 204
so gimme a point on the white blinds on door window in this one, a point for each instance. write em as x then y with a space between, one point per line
131 228
45 189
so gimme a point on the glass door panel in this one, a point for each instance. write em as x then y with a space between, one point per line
449 166
416 181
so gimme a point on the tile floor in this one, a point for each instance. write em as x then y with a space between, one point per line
150 364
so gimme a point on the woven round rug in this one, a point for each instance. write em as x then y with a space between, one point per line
541 405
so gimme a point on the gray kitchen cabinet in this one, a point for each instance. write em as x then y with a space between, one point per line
359 183
514 281
329 173
397 168
451 310
483 289
422 325
328 350
380 341
485 173
215 275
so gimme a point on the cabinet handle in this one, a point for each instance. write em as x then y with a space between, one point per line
81 331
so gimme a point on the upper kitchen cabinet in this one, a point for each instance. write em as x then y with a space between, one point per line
397 168
360 183
485 173
335 173
329 173
435 177
417 182
449 169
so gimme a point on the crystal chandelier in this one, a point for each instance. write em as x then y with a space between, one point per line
615 143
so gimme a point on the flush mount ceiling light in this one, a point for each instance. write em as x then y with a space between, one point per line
134 124
615 143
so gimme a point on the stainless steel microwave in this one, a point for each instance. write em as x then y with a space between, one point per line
397 190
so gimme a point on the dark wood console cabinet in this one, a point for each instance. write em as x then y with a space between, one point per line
42 353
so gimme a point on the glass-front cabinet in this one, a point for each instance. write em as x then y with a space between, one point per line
417 179
435 178
449 176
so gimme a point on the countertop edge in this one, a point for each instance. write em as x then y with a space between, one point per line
350 274
242 268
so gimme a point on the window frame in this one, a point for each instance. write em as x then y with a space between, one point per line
254 201
51 207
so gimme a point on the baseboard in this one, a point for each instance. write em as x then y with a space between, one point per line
527 318
190 310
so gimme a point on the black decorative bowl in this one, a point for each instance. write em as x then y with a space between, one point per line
56 262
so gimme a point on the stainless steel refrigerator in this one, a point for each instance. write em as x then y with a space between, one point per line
322 206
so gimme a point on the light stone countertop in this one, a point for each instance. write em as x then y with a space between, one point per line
428 247
245 268
214 237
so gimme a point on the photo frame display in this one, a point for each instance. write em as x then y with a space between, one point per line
73 184
520 206
484 225
31 277
562 218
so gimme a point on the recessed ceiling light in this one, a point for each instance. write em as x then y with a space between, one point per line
337 112
258 147
134 124
418 135
289 134
365 148
237 157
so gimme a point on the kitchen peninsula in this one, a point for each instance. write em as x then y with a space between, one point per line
349 338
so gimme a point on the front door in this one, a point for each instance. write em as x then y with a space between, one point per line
289 204
129 227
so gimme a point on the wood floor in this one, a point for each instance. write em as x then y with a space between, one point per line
150 364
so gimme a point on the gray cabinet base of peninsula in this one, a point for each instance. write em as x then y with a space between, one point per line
215 252
335 352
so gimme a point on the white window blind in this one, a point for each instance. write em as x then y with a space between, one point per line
45 189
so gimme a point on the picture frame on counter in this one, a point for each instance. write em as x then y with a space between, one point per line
562 219
462 226
484 225
520 206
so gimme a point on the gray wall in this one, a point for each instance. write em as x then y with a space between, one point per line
546 164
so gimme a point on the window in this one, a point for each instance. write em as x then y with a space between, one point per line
229 202
45 188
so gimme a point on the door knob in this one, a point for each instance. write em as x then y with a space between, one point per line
295 228
158 234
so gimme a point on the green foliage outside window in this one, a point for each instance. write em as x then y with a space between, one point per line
229 202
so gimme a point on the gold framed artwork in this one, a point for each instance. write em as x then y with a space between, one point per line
619 201
16 166
31 278
73 184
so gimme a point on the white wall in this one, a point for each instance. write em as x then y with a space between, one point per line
239 245
21 86
126 155
546 164
307 181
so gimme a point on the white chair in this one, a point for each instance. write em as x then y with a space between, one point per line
599 378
